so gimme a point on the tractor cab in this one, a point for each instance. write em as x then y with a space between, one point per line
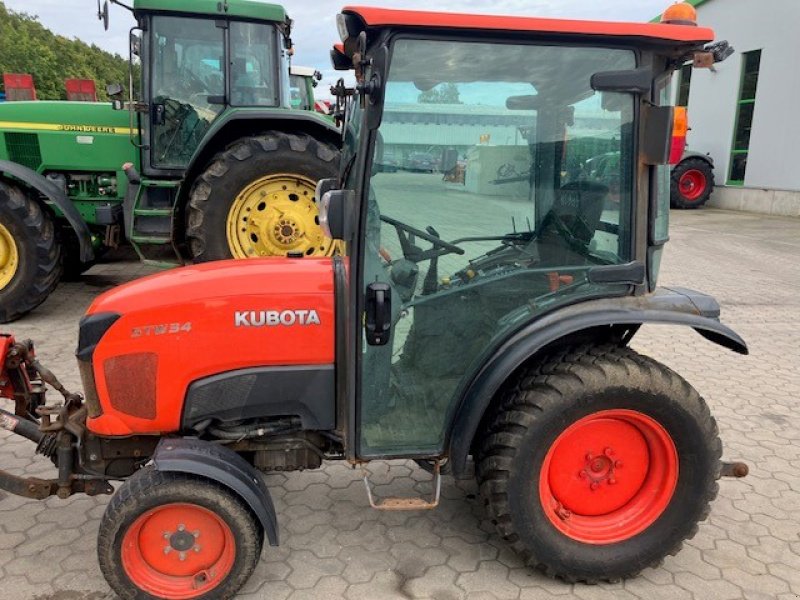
199 63
302 81
496 171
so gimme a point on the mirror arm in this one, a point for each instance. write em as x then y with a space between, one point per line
125 6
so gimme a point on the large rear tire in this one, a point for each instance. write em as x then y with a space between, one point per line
598 464
257 199
692 182
176 536
30 255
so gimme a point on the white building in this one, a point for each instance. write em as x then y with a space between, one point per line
743 112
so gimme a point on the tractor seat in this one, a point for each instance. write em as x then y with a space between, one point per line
570 225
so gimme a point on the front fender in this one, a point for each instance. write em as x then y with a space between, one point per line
223 466
664 306
57 197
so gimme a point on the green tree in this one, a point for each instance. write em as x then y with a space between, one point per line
445 93
26 46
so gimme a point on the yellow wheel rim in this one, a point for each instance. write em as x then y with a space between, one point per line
9 258
277 215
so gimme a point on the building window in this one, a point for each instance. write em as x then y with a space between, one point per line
684 81
744 116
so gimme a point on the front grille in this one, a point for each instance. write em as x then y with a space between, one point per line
131 383
23 148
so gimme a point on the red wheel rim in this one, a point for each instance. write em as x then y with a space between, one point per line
692 184
608 476
178 551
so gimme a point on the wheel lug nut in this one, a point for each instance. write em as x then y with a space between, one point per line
182 556
608 452
612 481
618 463
196 548
167 549
181 527
589 456
594 485
166 535
196 533
582 474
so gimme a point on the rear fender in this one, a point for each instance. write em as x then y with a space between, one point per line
223 466
57 196
664 306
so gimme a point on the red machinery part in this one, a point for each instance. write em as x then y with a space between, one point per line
19 86
81 90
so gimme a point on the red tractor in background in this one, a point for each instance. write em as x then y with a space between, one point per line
484 322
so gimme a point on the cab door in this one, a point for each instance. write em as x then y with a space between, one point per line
501 182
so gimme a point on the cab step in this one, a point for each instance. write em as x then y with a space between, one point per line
409 503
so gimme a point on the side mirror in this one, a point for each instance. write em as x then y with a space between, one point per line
136 44
102 13
336 214
115 91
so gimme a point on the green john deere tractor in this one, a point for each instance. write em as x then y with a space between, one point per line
206 160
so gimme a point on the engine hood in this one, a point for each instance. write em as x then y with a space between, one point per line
211 283
147 342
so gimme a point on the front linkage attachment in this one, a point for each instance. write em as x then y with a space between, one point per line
57 429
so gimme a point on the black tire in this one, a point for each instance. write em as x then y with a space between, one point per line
149 489
248 159
679 198
38 268
71 252
541 404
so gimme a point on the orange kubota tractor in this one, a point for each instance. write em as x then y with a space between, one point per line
487 319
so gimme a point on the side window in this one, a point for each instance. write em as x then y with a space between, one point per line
496 187
253 65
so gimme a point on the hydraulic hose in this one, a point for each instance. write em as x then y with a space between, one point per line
20 426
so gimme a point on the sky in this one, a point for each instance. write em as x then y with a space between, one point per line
314 20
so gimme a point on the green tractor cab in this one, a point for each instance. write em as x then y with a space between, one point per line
203 159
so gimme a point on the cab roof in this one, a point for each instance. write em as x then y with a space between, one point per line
373 17
246 9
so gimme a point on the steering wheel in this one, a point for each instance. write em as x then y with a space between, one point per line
192 82
411 252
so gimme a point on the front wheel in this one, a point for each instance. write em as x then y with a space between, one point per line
598 464
178 537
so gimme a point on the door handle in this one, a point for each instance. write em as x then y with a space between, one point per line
159 114
378 317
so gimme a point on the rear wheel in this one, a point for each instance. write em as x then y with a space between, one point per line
175 536
692 183
30 256
257 199
598 464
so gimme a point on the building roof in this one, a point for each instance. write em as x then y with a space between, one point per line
247 9
658 32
